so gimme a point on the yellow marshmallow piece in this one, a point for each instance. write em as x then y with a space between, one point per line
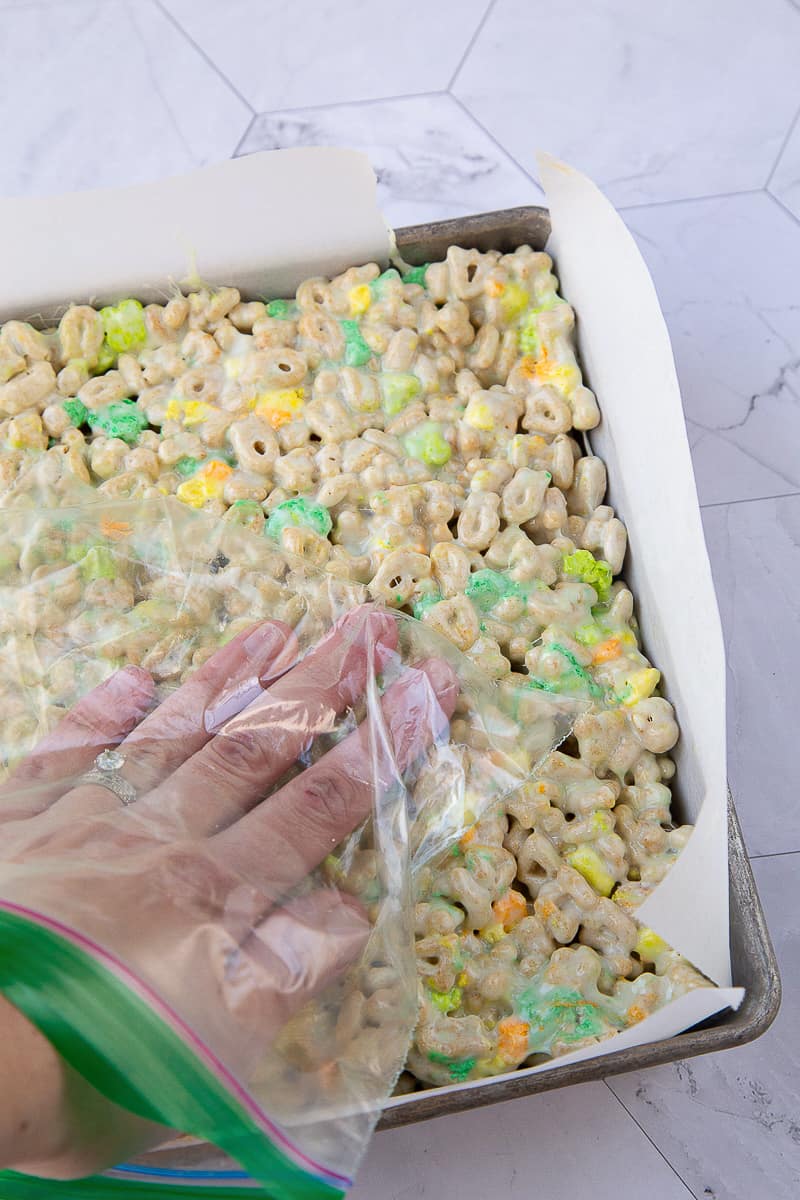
563 376
479 415
281 406
642 684
207 484
195 412
590 865
192 492
602 821
514 301
191 412
360 299
650 946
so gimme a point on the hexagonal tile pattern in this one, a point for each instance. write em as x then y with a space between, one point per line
785 182
430 157
564 1145
726 271
728 1122
655 102
755 556
291 53
98 93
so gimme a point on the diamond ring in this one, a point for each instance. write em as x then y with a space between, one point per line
106 773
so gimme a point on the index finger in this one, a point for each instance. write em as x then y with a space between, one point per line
226 683
237 767
285 838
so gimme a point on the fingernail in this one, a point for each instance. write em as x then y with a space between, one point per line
265 640
230 703
269 649
268 653
281 655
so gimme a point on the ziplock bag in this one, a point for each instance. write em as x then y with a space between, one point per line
218 936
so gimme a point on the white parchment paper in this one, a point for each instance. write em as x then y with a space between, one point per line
627 359
625 350
266 221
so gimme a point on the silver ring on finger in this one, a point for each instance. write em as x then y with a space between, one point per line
106 773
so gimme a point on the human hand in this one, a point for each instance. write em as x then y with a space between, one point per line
190 880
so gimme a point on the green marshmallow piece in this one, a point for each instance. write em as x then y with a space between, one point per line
459 1068
98 563
421 606
186 467
589 635
528 336
428 444
105 359
377 285
577 670
122 419
594 571
298 512
562 1014
486 588
248 514
416 274
281 310
77 412
356 350
124 326
541 685
398 388
435 1056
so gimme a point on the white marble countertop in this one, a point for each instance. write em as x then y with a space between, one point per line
688 115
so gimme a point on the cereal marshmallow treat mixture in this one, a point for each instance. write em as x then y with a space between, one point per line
419 434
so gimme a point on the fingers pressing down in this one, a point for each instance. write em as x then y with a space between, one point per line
282 840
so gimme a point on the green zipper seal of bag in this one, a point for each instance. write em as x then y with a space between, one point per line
101 1187
132 1047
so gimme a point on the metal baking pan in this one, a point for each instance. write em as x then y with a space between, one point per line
753 961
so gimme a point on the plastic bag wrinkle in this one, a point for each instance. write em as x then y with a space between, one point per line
229 890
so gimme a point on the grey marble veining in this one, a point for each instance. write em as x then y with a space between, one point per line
654 101
785 182
96 93
575 1144
726 271
755 556
430 157
729 1123
311 53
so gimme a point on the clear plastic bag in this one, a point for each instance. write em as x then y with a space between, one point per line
228 951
